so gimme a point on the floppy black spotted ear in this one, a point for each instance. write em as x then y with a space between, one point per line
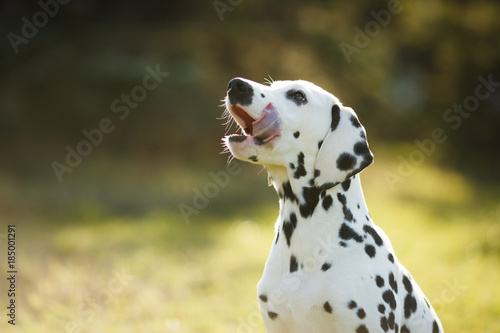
344 151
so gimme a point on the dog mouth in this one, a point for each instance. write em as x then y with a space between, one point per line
263 129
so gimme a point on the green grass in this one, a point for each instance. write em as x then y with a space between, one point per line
201 277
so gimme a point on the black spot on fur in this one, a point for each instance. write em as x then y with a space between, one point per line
294 265
342 198
292 166
388 297
370 250
327 307
410 305
253 158
381 308
405 329
346 184
393 283
384 324
407 284
262 95
390 257
277 237
361 314
327 202
347 213
296 134
289 227
361 148
335 117
328 185
372 232
348 233
352 305
263 298
288 193
367 160
326 266
380 281
343 244
362 329
301 170
435 327
346 161
355 122
311 197
391 320
320 144
272 315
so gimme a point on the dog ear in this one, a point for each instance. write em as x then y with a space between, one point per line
344 151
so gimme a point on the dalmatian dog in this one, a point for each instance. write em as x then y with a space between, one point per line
331 269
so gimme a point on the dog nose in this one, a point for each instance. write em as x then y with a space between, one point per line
240 92
239 85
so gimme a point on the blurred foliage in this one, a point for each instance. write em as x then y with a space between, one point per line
427 58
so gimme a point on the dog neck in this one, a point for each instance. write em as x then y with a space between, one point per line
325 211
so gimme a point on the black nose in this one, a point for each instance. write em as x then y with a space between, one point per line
239 92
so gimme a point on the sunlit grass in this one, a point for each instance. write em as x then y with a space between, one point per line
201 277
190 278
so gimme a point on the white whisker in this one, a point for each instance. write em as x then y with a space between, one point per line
269 80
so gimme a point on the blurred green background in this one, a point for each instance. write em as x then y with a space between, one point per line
138 236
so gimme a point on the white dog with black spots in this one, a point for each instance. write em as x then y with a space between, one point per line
331 269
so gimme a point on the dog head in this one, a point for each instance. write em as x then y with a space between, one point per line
298 126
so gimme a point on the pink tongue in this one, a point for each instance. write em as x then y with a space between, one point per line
268 126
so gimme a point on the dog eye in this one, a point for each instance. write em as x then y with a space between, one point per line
297 96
